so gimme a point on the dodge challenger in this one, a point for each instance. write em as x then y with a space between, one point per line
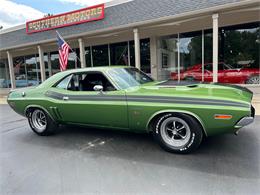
127 99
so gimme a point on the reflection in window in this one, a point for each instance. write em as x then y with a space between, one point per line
100 55
145 55
55 63
132 53
32 70
168 57
119 54
88 57
239 47
4 74
26 70
191 55
73 62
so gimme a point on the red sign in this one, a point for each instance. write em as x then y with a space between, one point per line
67 19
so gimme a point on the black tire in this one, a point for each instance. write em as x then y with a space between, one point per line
48 129
188 137
253 80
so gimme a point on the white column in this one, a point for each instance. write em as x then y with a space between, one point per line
82 53
109 57
91 56
202 56
49 64
11 69
42 65
128 53
179 58
215 47
137 49
154 60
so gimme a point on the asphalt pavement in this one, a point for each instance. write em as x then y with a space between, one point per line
90 161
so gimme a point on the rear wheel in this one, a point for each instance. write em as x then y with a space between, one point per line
178 133
253 80
41 123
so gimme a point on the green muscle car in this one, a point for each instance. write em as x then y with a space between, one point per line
125 98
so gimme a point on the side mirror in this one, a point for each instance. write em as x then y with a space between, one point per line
98 88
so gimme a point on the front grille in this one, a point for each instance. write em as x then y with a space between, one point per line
252 111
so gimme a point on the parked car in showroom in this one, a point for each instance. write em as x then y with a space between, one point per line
226 74
19 83
124 98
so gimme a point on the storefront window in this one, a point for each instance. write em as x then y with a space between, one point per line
4 74
73 61
47 63
32 70
55 64
145 55
239 54
168 58
100 55
88 56
119 54
26 70
190 47
132 53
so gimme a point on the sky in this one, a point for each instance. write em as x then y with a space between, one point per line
15 12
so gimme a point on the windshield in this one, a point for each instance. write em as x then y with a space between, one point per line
128 77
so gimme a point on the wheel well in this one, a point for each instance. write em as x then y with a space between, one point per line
152 122
29 110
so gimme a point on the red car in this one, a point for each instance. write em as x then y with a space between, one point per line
226 74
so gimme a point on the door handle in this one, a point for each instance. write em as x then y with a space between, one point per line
65 98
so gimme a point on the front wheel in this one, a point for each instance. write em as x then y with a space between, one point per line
178 133
41 123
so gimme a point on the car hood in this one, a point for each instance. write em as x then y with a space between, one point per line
197 90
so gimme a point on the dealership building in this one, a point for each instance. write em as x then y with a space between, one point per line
163 38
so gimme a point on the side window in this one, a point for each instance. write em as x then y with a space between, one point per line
88 81
221 67
85 82
64 83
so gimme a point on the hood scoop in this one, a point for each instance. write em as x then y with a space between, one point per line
173 83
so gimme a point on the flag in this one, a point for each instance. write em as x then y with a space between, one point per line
64 49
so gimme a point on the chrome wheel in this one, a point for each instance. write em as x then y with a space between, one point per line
254 80
39 120
175 132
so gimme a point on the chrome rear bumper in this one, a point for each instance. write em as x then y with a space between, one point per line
244 122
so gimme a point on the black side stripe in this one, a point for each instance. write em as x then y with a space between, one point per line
155 99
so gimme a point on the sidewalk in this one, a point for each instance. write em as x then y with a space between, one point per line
3 100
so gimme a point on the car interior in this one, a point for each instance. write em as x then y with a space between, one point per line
87 82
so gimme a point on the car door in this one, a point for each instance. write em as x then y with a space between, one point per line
231 75
86 106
